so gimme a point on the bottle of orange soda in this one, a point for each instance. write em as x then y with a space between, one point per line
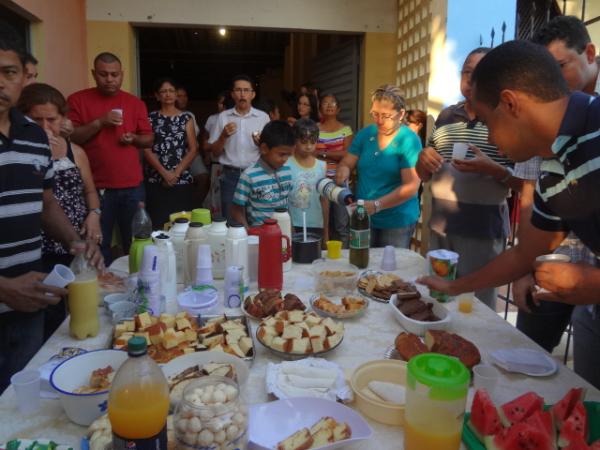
138 403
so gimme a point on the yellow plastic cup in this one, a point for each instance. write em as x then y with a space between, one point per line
176 215
201 215
334 249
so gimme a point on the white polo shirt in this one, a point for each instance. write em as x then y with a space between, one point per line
240 150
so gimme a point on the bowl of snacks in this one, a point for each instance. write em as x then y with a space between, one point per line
347 307
83 383
380 286
334 277
269 302
419 315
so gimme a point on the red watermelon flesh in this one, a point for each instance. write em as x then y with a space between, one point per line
542 420
577 443
484 419
521 408
562 409
575 426
520 436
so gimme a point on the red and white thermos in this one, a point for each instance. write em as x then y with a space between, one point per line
270 255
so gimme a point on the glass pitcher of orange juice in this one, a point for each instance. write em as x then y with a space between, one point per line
83 299
436 396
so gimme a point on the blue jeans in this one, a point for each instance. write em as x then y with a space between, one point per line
398 237
21 336
586 344
229 180
118 206
339 223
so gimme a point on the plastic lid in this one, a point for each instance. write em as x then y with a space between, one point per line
447 377
360 202
181 220
234 224
161 236
219 219
281 210
196 224
136 346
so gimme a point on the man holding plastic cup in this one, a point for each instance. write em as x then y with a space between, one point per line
521 95
27 206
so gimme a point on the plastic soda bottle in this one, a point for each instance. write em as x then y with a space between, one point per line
83 299
360 236
138 403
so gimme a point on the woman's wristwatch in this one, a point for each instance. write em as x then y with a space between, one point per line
377 204
97 211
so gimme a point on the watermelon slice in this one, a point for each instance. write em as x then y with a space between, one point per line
484 419
562 409
576 426
519 436
577 443
542 420
521 408
595 445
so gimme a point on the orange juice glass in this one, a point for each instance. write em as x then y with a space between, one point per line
83 306
465 302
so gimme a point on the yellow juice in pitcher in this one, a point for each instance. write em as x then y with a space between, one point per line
83 307
419 439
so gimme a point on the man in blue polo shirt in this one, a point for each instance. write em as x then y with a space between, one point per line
26 205
521 96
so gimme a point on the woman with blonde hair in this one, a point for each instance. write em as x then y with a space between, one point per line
385 154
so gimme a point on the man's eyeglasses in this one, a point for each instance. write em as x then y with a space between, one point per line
329 104
167 91
378 116
243 90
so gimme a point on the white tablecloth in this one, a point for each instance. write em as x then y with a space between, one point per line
366 338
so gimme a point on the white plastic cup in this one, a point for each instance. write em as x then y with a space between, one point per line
60 276
485 377
253 258
459 150
388 261
204 261
119 111
27 390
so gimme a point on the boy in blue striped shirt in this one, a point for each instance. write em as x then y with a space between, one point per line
265 185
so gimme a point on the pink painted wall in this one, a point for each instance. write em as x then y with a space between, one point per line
58 38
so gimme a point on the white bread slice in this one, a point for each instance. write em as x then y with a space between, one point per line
322 437
317 343
342 431
278 344
245 344
295 316
333 340
300 440
292 332
312 319
318 330
301 345
325 422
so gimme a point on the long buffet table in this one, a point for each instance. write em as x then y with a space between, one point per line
366 338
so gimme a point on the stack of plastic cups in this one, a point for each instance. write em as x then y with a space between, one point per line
149 280
201 215
204 274
388 262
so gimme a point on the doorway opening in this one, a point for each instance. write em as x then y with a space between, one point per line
204 61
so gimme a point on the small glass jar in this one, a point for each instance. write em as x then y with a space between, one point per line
211 415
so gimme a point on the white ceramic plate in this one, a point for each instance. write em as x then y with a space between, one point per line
528 361
273 422
179 364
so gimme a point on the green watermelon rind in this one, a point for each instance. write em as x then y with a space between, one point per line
593 410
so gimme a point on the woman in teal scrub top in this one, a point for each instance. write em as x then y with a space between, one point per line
385 154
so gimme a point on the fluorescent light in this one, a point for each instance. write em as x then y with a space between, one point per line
222 31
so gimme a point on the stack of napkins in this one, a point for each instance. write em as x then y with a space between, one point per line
309 377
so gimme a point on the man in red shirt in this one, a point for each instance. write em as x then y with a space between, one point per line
112 125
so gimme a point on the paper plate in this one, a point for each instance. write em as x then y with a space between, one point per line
273 422
534 363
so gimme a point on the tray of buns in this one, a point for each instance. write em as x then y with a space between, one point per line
347 307
408 345
296 334
169 336
381 286
270 301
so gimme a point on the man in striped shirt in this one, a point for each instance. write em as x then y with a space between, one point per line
521 95
26 205
265 185
469 213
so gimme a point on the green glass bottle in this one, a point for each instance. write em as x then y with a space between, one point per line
360 236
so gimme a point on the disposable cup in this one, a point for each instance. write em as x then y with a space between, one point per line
334 249
201 215
465 302
388 261
60 276
27 390
442 263
119 111
459 150
485 377
553 257
203 260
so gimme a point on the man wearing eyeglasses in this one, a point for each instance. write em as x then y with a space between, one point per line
234 138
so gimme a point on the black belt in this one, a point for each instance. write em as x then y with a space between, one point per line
232 168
